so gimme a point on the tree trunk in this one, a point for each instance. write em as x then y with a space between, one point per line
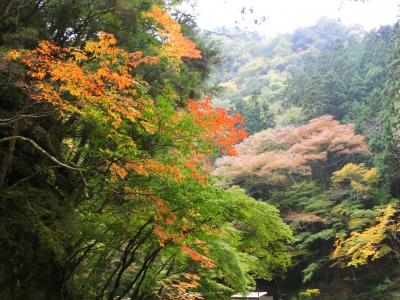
7 159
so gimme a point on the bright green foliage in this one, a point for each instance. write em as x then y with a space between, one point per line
256 230
105 180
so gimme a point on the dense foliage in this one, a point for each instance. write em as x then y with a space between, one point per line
106 191
333 172
120 177
255 72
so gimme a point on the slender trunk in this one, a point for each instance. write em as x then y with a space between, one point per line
77 262
147 263
161 289
126 263
7 159
85 134
123 264
135 293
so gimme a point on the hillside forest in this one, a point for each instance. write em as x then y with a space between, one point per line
144 158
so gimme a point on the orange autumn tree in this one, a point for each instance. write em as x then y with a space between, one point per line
96 82
219 128
138 160
80 81
174 45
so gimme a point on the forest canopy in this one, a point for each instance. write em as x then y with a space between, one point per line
105 178
144 158
322 113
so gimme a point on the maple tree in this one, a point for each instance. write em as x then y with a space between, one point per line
145 167
109 88
219 128
276 156
174 45
310 172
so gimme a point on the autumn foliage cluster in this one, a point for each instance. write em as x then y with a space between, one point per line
374 242
120 179
333 203
175 45
149 218
275 156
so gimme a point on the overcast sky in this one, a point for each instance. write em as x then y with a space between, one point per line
287 15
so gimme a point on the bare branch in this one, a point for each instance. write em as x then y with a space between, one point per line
31 176
40 149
